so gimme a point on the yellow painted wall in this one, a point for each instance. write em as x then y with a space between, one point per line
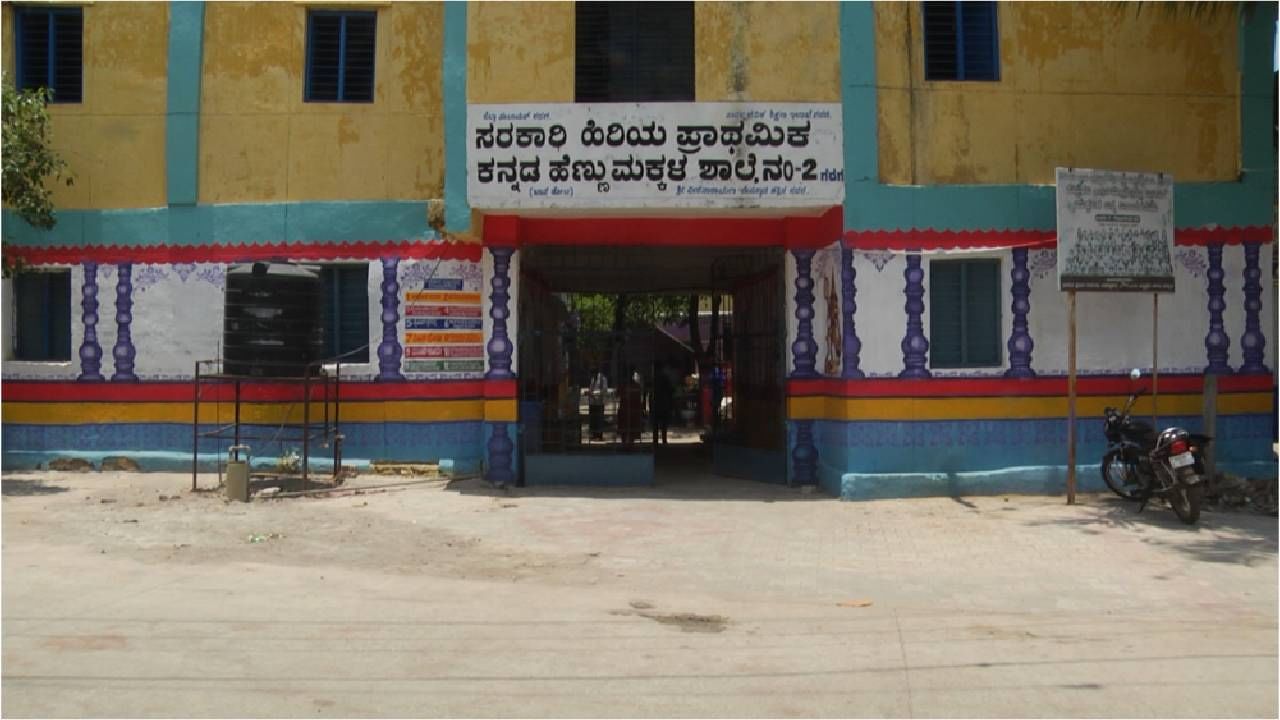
767 51
114 140
524 52
259 142
1082 84
520 52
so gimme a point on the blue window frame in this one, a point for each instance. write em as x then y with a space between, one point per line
340 56
49 50
961 41
964 313
43 315
346 312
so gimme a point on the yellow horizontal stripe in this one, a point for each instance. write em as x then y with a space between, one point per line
504 409
994 408
264 413
458 296
413 338
500 410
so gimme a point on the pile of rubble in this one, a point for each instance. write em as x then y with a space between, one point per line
1232 492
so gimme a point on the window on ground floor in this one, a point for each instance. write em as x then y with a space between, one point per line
964 313
42 317
346 312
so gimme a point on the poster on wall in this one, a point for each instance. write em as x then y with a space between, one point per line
442 331
1115 230
694 155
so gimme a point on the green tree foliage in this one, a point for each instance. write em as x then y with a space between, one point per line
29 158
597 312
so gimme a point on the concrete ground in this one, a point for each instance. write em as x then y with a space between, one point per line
127 595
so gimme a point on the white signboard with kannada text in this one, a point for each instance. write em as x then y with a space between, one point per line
1115 230
648 155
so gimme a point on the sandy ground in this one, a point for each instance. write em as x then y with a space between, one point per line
128 595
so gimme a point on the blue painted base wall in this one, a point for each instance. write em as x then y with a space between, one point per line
167 446
858 459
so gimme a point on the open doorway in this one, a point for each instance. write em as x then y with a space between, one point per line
651 365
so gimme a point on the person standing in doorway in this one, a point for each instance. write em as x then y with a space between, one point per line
595 403
630 410
661 402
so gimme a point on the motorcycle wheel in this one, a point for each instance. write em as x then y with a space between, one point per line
1186 500
1121 475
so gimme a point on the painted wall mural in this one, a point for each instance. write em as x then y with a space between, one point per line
441 330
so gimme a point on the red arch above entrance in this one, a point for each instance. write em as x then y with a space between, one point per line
804 232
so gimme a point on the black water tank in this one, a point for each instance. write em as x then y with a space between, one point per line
272 325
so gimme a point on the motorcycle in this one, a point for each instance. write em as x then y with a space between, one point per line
1140 464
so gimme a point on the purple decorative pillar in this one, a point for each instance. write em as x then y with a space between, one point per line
90 350
804 351
804 457
852 346
500 447
123 352
1020 343
1216 342
1252 343
915 347
500 346
389 351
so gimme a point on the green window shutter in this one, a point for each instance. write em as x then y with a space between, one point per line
43 302
354 323
964 313
945 317
346 312
982 312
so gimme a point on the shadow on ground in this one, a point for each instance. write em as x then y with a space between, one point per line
1221 536
18 487
682 472
691 486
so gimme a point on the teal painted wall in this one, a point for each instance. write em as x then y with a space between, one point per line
457 210
315 222
182 118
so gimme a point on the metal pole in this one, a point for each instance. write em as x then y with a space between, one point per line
195 426
1071 397
306 424
1210 424
1155 359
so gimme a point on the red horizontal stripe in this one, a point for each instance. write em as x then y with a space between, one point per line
1010 387
924 239
499 388
928 239
792 232
250 391
248 253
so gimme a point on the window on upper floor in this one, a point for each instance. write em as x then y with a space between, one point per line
49 51
964 313
340 56
42 315
634 52
961 41
346 312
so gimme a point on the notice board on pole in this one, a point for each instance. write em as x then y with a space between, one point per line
1115 230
